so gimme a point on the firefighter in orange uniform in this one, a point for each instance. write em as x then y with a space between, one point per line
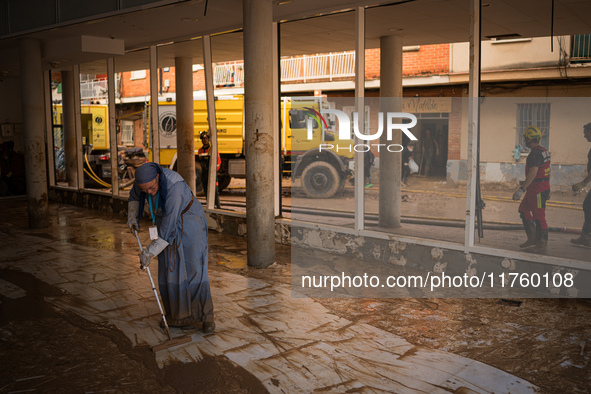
537 190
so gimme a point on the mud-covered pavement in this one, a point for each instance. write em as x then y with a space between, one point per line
48 349
545 341
45 348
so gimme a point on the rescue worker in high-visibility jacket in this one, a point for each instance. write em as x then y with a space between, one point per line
537 191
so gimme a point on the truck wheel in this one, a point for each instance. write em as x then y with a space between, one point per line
223 182
342 184
320 180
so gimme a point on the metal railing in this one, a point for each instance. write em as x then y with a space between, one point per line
93 89
231 74
324 66
581 48
97 89
305 68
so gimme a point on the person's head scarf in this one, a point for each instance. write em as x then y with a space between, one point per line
147 172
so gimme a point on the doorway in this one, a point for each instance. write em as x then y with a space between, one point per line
432 146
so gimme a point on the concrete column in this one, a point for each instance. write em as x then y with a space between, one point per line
69 128
390 162
258 114
34 131
185 137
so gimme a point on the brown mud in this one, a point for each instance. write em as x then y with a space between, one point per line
47 349
544 341
42 348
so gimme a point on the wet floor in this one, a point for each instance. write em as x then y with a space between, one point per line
288 344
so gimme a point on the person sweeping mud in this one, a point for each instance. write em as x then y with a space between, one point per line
179 239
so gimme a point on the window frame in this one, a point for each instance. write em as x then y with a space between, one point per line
528 114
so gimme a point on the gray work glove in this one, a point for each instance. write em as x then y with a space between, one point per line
153 250
517 195
133 208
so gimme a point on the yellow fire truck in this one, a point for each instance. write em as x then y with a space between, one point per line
95 137
323 172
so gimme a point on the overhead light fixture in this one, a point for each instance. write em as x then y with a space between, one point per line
190 19
500 37
283 2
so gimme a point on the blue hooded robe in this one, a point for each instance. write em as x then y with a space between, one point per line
182 266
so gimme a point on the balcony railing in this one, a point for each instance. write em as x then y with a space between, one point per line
581 48
231 74
302 69
97 89
305 68
93 89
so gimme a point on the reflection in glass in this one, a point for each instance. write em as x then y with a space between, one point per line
132 102
94 125
319 146
57 128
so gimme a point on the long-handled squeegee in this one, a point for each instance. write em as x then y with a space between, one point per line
171 342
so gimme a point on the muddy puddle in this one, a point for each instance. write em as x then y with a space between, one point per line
46 349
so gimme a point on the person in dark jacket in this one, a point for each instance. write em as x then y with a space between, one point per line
406 156
368 160
430 150
585 238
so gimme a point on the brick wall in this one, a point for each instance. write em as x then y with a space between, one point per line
199 80
140 87
135 87
171 77
372 63
454 135
429 59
